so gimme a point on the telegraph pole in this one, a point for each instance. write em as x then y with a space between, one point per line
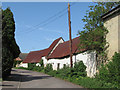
70 40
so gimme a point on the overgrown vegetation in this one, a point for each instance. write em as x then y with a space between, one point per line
67 72
94 35
48 68
108 76
110 72
78 75
10 49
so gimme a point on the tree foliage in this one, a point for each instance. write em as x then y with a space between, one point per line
94 35
110 72
10 49
114 69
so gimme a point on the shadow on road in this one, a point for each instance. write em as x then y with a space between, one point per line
6 85
24 78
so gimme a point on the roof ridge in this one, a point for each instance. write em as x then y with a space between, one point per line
69 40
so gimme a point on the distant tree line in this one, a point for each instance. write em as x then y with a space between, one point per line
10 49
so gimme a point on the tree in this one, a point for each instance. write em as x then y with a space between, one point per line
93 37
10 49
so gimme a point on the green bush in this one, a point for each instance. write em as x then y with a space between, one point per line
64 72
80 69
103 73
48 68
41 63
114 69
39 68
110 73
31 66
52 73
67 72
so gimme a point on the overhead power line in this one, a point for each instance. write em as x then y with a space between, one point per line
52 20
48 20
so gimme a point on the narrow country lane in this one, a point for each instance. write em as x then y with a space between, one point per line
30 79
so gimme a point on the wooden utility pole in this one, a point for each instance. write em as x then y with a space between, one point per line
70 40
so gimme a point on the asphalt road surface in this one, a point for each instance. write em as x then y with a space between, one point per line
30 79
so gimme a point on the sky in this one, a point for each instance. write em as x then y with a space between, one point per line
38 24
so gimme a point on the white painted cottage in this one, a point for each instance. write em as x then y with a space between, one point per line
58 54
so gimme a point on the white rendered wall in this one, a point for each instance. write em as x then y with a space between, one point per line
88 59
44 61
38 64
25 65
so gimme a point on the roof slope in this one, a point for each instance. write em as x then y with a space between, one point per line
63 50
111 12
23 55
53 45
35 56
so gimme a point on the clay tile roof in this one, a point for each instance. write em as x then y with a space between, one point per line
23 55
63 50
53 44
35 56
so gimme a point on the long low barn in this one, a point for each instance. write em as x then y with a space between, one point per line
58 54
